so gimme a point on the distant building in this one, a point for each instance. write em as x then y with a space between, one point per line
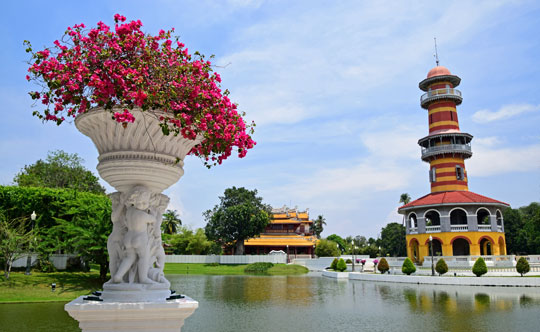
459 221
289 230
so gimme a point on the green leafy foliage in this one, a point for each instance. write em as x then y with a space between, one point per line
393 240
66 221
522 266
348 261
408 267
326 248
522 229
318 226
340 242
383 266
14 238
441 267
341 265
171 222
189 242
333 266
479 268
59 170
240 215
260 267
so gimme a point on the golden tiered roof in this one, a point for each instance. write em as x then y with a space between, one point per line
293 240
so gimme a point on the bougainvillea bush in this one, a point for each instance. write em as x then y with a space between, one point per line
122 68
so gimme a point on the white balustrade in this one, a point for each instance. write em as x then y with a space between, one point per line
484 228
433 229
459 228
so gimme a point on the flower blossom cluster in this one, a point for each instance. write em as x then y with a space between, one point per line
122 68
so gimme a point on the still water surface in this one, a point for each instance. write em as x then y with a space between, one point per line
314 303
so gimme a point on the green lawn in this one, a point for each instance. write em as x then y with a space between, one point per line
37 286
182 268
69 285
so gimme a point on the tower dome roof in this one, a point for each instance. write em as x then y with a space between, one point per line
438 71
439 74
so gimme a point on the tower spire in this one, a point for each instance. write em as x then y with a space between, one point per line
436 55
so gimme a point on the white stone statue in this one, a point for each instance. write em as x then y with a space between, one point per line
136 258
115 242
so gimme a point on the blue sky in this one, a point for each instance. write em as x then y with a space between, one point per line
333 88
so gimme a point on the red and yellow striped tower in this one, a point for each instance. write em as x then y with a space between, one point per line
446 147
451 219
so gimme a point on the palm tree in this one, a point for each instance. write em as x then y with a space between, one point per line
171 222
404 199
318 225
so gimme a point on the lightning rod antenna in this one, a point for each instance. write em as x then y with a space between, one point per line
436 55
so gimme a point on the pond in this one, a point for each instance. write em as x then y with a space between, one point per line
314 303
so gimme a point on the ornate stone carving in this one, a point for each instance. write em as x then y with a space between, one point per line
140 162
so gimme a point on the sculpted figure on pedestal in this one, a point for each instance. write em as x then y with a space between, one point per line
136 241
115 242
157 254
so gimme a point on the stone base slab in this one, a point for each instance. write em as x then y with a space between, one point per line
457 281
166 316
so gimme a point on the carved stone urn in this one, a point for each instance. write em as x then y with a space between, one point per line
139 162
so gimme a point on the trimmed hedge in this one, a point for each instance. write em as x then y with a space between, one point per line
479 268
441 267
408 267
341 265
522 266
333 266
260 267
383 266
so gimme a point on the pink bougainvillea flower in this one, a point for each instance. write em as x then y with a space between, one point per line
124 68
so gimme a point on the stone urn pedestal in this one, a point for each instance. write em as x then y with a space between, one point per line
139 162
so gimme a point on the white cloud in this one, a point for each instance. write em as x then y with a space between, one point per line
339 55
505 112
488 161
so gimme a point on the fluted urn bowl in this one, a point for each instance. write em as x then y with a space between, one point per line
138 154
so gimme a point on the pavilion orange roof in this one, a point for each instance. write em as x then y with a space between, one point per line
282 240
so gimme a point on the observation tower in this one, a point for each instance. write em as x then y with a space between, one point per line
460 222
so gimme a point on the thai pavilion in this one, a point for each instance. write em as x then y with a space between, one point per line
289 230
459 221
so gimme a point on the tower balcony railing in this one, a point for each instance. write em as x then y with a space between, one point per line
433 229
459 228
484 228
447 148
499 228
431 95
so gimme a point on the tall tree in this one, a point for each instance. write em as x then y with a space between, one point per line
171 222
240 215
85 225
14 237
59 170
393 240
404 198
339 240
318 226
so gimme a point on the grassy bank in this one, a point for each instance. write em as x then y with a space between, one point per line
212 269
37 286
69 285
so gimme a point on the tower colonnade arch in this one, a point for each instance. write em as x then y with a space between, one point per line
455 244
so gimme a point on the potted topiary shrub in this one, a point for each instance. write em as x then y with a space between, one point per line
383 266
479 268
408 267
441 267
341 265
522 266
333 266
348 261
